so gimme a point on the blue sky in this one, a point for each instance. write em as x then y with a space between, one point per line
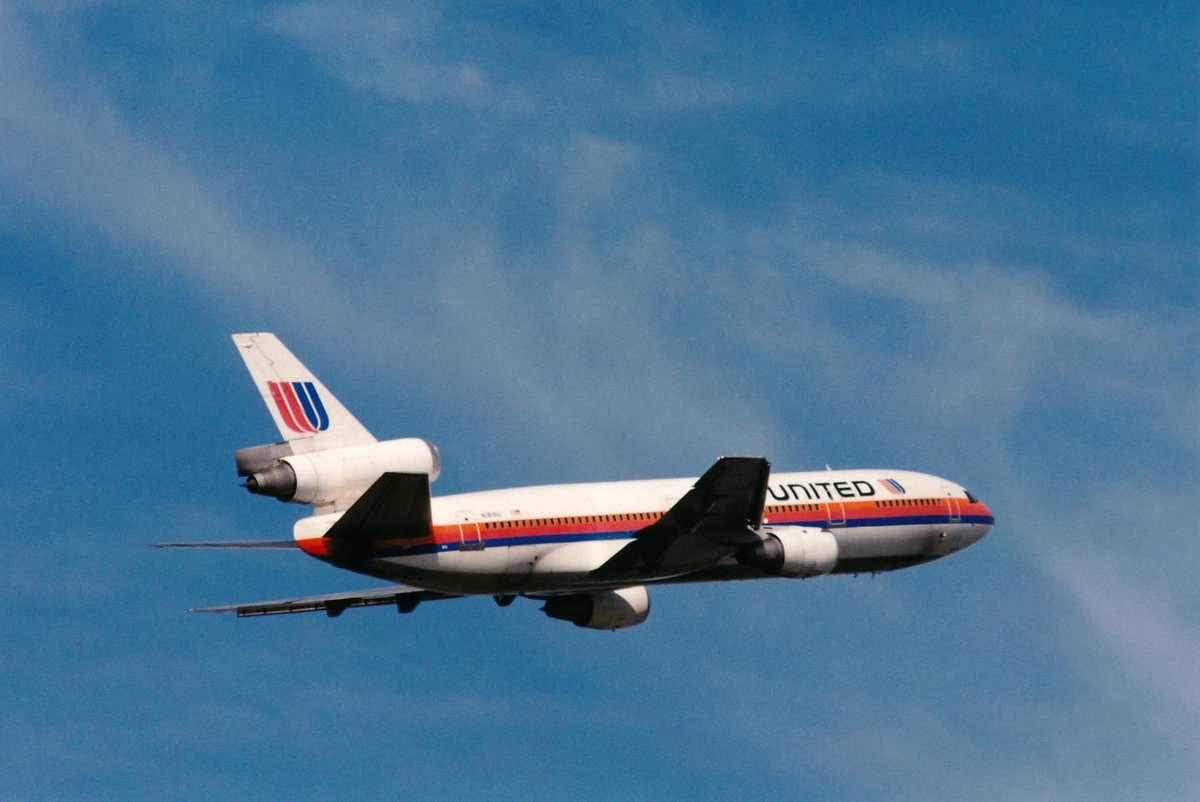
597 243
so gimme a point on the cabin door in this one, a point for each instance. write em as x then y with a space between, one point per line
468 532
835 513
953 506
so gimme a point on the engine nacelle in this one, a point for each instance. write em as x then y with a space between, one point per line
341 474
605 609
795 551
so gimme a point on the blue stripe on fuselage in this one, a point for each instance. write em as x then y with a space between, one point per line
583 537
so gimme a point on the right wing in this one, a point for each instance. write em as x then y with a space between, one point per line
717 515
334 604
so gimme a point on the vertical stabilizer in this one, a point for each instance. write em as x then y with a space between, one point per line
309 417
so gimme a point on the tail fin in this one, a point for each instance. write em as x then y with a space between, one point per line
309 417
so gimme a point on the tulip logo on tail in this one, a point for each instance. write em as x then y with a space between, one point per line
300 406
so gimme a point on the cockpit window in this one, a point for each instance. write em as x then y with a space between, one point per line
971 496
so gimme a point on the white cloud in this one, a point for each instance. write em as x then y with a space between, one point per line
667 61
1141 625
559 355
643 330
65 148
396 51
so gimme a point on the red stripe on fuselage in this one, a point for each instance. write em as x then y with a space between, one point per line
779 515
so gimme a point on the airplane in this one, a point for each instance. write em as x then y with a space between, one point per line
587 552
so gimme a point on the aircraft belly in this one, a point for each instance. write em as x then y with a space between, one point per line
502 570
497 570
572 563
884 541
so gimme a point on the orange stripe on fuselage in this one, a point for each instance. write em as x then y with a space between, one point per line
799 514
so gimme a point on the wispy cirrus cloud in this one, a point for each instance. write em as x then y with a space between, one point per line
66 148
567 291
70 151
400 50
672 61
1144 626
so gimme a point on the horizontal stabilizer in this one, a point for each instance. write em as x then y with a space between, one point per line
230 544
405 598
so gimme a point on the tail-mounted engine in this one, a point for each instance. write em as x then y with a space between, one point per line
605 609
335 476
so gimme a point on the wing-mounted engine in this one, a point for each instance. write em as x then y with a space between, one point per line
334 477
793 551
606 609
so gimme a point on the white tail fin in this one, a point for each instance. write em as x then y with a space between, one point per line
309 417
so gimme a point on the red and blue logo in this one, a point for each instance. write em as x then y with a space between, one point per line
893 487
300 406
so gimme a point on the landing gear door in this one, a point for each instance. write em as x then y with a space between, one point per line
468 532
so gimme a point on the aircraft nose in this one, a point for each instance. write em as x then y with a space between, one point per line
982 512
980 516
986 519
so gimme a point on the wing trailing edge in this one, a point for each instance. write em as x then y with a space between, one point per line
333 604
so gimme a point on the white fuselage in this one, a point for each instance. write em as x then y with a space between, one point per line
552 537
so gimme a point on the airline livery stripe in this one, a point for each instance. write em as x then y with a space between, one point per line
320 418
284 411
300 390
300 406
449 538
289 392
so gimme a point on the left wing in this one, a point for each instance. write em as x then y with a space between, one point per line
334 604
717 515
230 544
